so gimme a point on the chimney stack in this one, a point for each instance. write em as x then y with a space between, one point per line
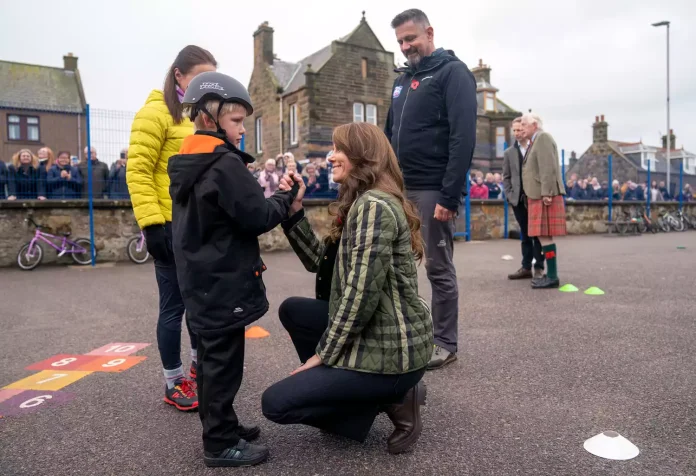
673 140
70 62
263 45
600 130
482 72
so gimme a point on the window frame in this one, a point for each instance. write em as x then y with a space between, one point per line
258 134
23 126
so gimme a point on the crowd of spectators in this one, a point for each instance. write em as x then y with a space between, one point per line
45 175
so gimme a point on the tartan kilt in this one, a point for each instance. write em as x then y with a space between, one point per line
546 220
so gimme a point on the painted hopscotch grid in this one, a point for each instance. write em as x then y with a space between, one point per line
41 390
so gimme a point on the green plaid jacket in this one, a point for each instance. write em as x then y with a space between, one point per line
377 321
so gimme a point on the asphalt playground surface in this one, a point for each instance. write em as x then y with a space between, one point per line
539 371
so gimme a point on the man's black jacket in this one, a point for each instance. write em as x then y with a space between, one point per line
432 125
218 212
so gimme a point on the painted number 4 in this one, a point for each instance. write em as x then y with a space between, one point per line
36 401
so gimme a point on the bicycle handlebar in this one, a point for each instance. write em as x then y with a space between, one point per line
31 220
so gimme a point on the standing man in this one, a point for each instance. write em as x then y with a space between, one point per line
432 128
514 193
543 184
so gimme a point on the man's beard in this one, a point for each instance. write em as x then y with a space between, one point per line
414 58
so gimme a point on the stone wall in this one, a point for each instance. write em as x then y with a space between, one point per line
114 223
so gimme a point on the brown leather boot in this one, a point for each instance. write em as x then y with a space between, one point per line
521 274
406 418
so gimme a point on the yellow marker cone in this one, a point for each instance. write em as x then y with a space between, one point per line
568 288
594 291
256 332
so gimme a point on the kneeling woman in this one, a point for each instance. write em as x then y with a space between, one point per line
366 349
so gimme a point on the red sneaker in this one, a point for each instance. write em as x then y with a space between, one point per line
182 396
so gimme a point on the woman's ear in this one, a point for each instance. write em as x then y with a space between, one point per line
177 75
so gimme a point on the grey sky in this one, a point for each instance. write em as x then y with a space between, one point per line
593 57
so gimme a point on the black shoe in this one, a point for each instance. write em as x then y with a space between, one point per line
241 454
545 283
406 418
248 433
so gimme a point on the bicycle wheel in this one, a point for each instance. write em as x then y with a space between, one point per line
676 224
621 228
137 256
28 262
86 257
663 225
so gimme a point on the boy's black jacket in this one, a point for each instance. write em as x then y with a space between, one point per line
218 211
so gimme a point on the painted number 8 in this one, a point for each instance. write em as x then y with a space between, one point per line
32 402
65 361
114 363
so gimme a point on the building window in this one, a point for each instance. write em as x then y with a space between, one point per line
24 128
293 124
500 141
259 135
364 68
490 101
371 115
358 112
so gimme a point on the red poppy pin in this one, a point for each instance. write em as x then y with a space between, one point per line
415 84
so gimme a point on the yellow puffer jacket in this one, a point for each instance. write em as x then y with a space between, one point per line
154 138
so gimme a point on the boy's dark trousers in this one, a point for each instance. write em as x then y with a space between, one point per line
220 369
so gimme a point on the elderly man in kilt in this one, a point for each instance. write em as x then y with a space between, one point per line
543 184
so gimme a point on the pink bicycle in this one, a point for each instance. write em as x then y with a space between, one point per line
137 249
31 254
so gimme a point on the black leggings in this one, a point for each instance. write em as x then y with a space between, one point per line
340 401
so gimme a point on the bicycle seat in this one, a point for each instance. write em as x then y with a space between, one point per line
66 233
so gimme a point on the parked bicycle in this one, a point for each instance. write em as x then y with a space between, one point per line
685 221
31 254
137 249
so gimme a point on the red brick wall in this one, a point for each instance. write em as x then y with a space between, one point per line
57 131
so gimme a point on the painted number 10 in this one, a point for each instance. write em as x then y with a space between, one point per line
120 348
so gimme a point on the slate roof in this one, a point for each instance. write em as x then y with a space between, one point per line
297 80
39 88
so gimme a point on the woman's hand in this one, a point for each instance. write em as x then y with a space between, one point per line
313 361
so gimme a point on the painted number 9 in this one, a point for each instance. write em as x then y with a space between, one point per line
114 363
32 402
120 348
65 361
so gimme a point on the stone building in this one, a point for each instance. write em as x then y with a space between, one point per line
630 159
298 104
493 126
41 106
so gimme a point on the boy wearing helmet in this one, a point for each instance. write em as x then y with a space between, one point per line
218 212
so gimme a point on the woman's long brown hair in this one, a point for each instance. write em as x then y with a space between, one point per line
374 167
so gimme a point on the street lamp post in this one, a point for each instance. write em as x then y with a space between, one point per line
669 131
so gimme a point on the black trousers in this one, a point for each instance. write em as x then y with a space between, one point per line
531 247
340 401
220 369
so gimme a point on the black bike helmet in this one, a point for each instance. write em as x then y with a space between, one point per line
214 85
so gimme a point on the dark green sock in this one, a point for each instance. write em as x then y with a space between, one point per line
550 256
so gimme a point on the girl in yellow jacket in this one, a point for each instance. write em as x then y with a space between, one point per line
157 133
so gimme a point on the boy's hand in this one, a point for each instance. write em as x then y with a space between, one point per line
286 184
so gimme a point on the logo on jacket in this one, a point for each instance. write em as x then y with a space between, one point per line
397 92
415 84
